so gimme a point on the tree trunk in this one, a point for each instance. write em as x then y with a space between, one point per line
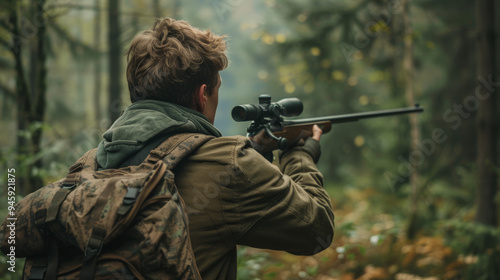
30 100
414 130
97 63
157 9
23 101
486 119
115 56
40 90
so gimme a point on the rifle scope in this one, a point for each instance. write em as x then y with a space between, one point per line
288 107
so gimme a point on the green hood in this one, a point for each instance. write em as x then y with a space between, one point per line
142 121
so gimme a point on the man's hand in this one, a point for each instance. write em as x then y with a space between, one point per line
316 132
263 144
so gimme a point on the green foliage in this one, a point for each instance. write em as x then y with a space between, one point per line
250 265
5 273
48 150
479 246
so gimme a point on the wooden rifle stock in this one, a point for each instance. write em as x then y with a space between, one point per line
293 133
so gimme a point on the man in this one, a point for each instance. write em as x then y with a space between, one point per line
233 195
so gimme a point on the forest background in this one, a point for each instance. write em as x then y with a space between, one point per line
415 197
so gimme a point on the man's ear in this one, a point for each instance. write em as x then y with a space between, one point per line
201 98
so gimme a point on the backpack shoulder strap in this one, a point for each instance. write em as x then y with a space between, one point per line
86 162
48 264
175 148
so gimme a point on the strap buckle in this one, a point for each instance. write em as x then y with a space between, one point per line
155 156
68 186
37 271
76 167
131 195
96 241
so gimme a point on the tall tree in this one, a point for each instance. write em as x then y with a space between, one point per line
30 95
21 89
487 118
40 87
97 62
115 56
414 130
157 9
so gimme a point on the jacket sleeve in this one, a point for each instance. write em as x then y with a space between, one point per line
285 209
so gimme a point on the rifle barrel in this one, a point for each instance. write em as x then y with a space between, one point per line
356 116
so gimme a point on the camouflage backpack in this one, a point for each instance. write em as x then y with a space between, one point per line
122 223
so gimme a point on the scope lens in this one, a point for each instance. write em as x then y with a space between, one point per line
245 112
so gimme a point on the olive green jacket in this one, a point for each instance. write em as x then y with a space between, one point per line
236 197
233 195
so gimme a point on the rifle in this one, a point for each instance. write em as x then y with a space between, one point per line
268 116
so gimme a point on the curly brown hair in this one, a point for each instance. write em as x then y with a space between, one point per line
170 60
